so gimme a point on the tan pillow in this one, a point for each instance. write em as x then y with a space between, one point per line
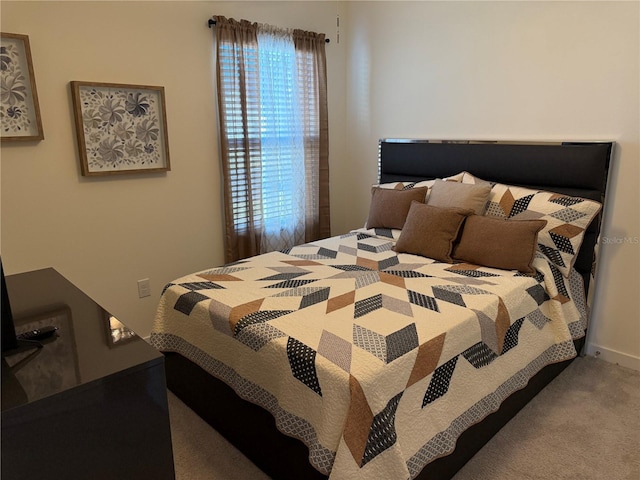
498 243
430 231
460 195
389 208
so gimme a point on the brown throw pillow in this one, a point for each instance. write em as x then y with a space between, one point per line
460 195
389 208
498 243
430 231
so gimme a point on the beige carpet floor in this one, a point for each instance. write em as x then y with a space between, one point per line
585 425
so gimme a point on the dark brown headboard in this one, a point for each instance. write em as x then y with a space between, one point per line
572 168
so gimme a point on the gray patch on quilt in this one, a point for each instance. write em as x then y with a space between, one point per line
335 349
395 305
538 319
258 335
370 341
219 315
488 331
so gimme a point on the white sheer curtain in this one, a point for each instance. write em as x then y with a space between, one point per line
274 144
282 142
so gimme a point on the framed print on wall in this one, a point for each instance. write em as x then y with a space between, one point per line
120 128
19 108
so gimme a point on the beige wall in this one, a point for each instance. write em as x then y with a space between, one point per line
488 70
510 70
106 233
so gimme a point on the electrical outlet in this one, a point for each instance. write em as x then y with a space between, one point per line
144 288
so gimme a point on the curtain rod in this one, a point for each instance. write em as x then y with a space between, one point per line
212 22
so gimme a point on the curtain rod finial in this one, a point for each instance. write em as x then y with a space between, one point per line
211 22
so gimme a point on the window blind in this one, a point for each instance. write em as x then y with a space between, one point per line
272 110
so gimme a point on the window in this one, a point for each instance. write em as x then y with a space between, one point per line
271 136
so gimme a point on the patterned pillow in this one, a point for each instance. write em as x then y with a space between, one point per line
425 183
468 178
567 218
405 185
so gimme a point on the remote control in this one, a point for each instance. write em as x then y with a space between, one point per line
38 333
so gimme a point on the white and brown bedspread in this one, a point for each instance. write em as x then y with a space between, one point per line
376 360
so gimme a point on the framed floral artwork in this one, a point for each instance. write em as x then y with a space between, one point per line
120 128
19 108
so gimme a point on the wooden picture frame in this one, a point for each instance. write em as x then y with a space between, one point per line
19 107
120 128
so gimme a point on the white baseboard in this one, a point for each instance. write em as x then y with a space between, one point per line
613 356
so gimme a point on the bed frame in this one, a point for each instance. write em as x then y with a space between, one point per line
573 168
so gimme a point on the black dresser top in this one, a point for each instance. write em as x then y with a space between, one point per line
82 351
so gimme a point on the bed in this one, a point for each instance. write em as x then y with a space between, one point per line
379 354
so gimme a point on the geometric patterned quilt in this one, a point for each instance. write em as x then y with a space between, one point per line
376 360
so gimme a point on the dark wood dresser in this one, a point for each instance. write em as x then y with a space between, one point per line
81 406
